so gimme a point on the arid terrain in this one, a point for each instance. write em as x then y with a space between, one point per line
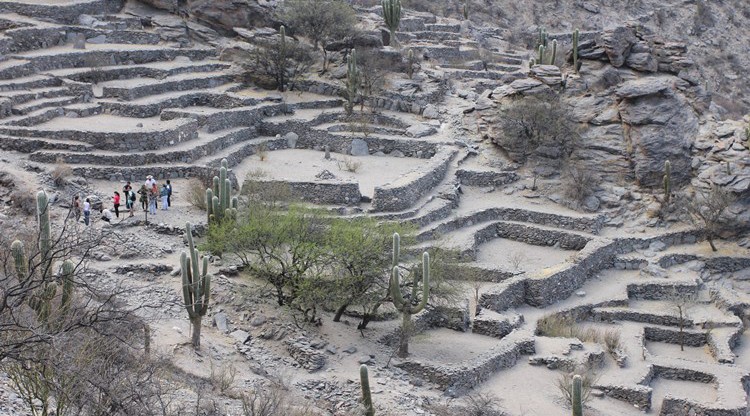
584 204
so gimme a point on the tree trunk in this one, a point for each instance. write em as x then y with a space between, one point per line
196 332
403 344
340 311
280 295
710 239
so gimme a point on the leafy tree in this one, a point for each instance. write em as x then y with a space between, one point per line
322 21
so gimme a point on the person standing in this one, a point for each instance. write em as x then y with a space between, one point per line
144 196
77 207
116 204
87 211
169 195
164 194
131 198
126 190
152 196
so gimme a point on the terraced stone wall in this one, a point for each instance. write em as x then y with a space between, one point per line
319 192
64 12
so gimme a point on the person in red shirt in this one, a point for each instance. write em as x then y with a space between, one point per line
116 204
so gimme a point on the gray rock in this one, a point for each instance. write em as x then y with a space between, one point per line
657 246
365 359
79 41
220 320
97 39
258 320
351 350
617 43
430 111
591 203
291 139
420 130
359 148
240 335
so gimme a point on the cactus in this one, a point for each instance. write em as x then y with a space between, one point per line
410 63
466 11
542 51
576 395
554 52
405 306
219 200
353 81
196 286
575 50
392 16
532 62
366 395
20 261
281 74
42 211
542 41
667 181
67 289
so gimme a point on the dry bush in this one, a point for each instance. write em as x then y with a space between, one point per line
565 384
472 405
578 183
222 378
516 258
196 193
349 164
612 341
262 151
61 172
24 199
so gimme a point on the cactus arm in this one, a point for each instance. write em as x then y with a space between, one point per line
398 299
20 261
227 189
209 203
42 209
366 395
67 290
541 55
396 249
575 51
425 283
576 396
186 285
235 202
216 185
216 210
554 52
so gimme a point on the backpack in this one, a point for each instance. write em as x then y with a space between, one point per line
132 195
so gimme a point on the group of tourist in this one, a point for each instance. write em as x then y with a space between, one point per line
149 193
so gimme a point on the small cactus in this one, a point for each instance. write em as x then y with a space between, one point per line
219 201
68 268
576 396
366 395
410 63
554 52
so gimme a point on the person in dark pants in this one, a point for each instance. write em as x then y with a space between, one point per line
169 193
116 204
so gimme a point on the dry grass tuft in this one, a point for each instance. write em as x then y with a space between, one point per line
196 193
61 172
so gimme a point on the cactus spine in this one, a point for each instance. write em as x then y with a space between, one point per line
366 395
405 306
667 181
392 16
575 51
353 81
576 396
196 286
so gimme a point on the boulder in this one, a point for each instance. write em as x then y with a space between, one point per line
430 111
420 130
548 74
359 148
617 43
291 139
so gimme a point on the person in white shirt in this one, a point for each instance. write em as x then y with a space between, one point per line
107 215
87 211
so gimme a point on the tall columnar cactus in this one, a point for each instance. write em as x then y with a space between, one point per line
68 268
405 306
542 52
42 211
542 41
219 202
392 16
576 395
353 80
575 51
667 181
196 286
366 395
554 52
281 75
20 261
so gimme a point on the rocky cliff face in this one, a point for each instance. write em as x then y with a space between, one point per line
221 15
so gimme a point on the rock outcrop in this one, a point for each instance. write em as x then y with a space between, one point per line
221 15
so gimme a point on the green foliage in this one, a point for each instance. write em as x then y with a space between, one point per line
196 285
392 16
366 395
278 62
322 21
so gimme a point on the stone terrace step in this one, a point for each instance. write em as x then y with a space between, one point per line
427 35
22 96
60 11
141 87
67 57
215 119
441 27
34 105
135 37
153 105
149 70
35 117
28 83
189 152
25 145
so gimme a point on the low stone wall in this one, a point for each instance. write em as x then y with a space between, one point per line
226 119
305 355
672 336
63 12
470 272
451 317
82 58
135 174
467 375
496 327
674 406
508 294
660 291
585 224
318 192
408 189
627 314
637 395
130 141
721 264
485 178
199 81
721 344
